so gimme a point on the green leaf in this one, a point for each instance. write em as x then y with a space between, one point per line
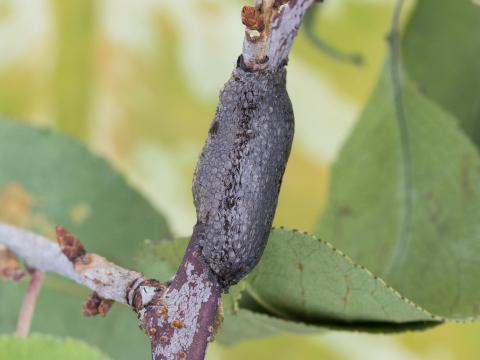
306 279
231 300
247 325
160 259
442 52
66 184
49 179
45 347
405 201
301 285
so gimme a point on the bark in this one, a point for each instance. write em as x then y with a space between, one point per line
180 324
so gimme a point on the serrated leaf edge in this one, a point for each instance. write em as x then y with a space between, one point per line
364 269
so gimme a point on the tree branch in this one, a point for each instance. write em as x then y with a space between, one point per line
187 311
93 271
179 318
172 317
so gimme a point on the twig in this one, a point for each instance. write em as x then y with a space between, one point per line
28 303
269 48
95 272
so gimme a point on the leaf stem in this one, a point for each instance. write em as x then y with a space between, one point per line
28 303
404 138
326 47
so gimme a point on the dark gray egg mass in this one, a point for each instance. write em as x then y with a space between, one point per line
240 170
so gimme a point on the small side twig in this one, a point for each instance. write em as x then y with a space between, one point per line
110 281
29 302
96 305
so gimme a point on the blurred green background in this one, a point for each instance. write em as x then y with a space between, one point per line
138 81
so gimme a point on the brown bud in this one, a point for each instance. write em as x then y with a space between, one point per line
252 18
96 305
104 307
71 247
9 266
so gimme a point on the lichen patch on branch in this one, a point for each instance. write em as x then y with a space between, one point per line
178 322
184 306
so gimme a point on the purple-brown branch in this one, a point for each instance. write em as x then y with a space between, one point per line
180 323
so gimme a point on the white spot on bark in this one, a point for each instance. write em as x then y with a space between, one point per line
147 293
184 304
